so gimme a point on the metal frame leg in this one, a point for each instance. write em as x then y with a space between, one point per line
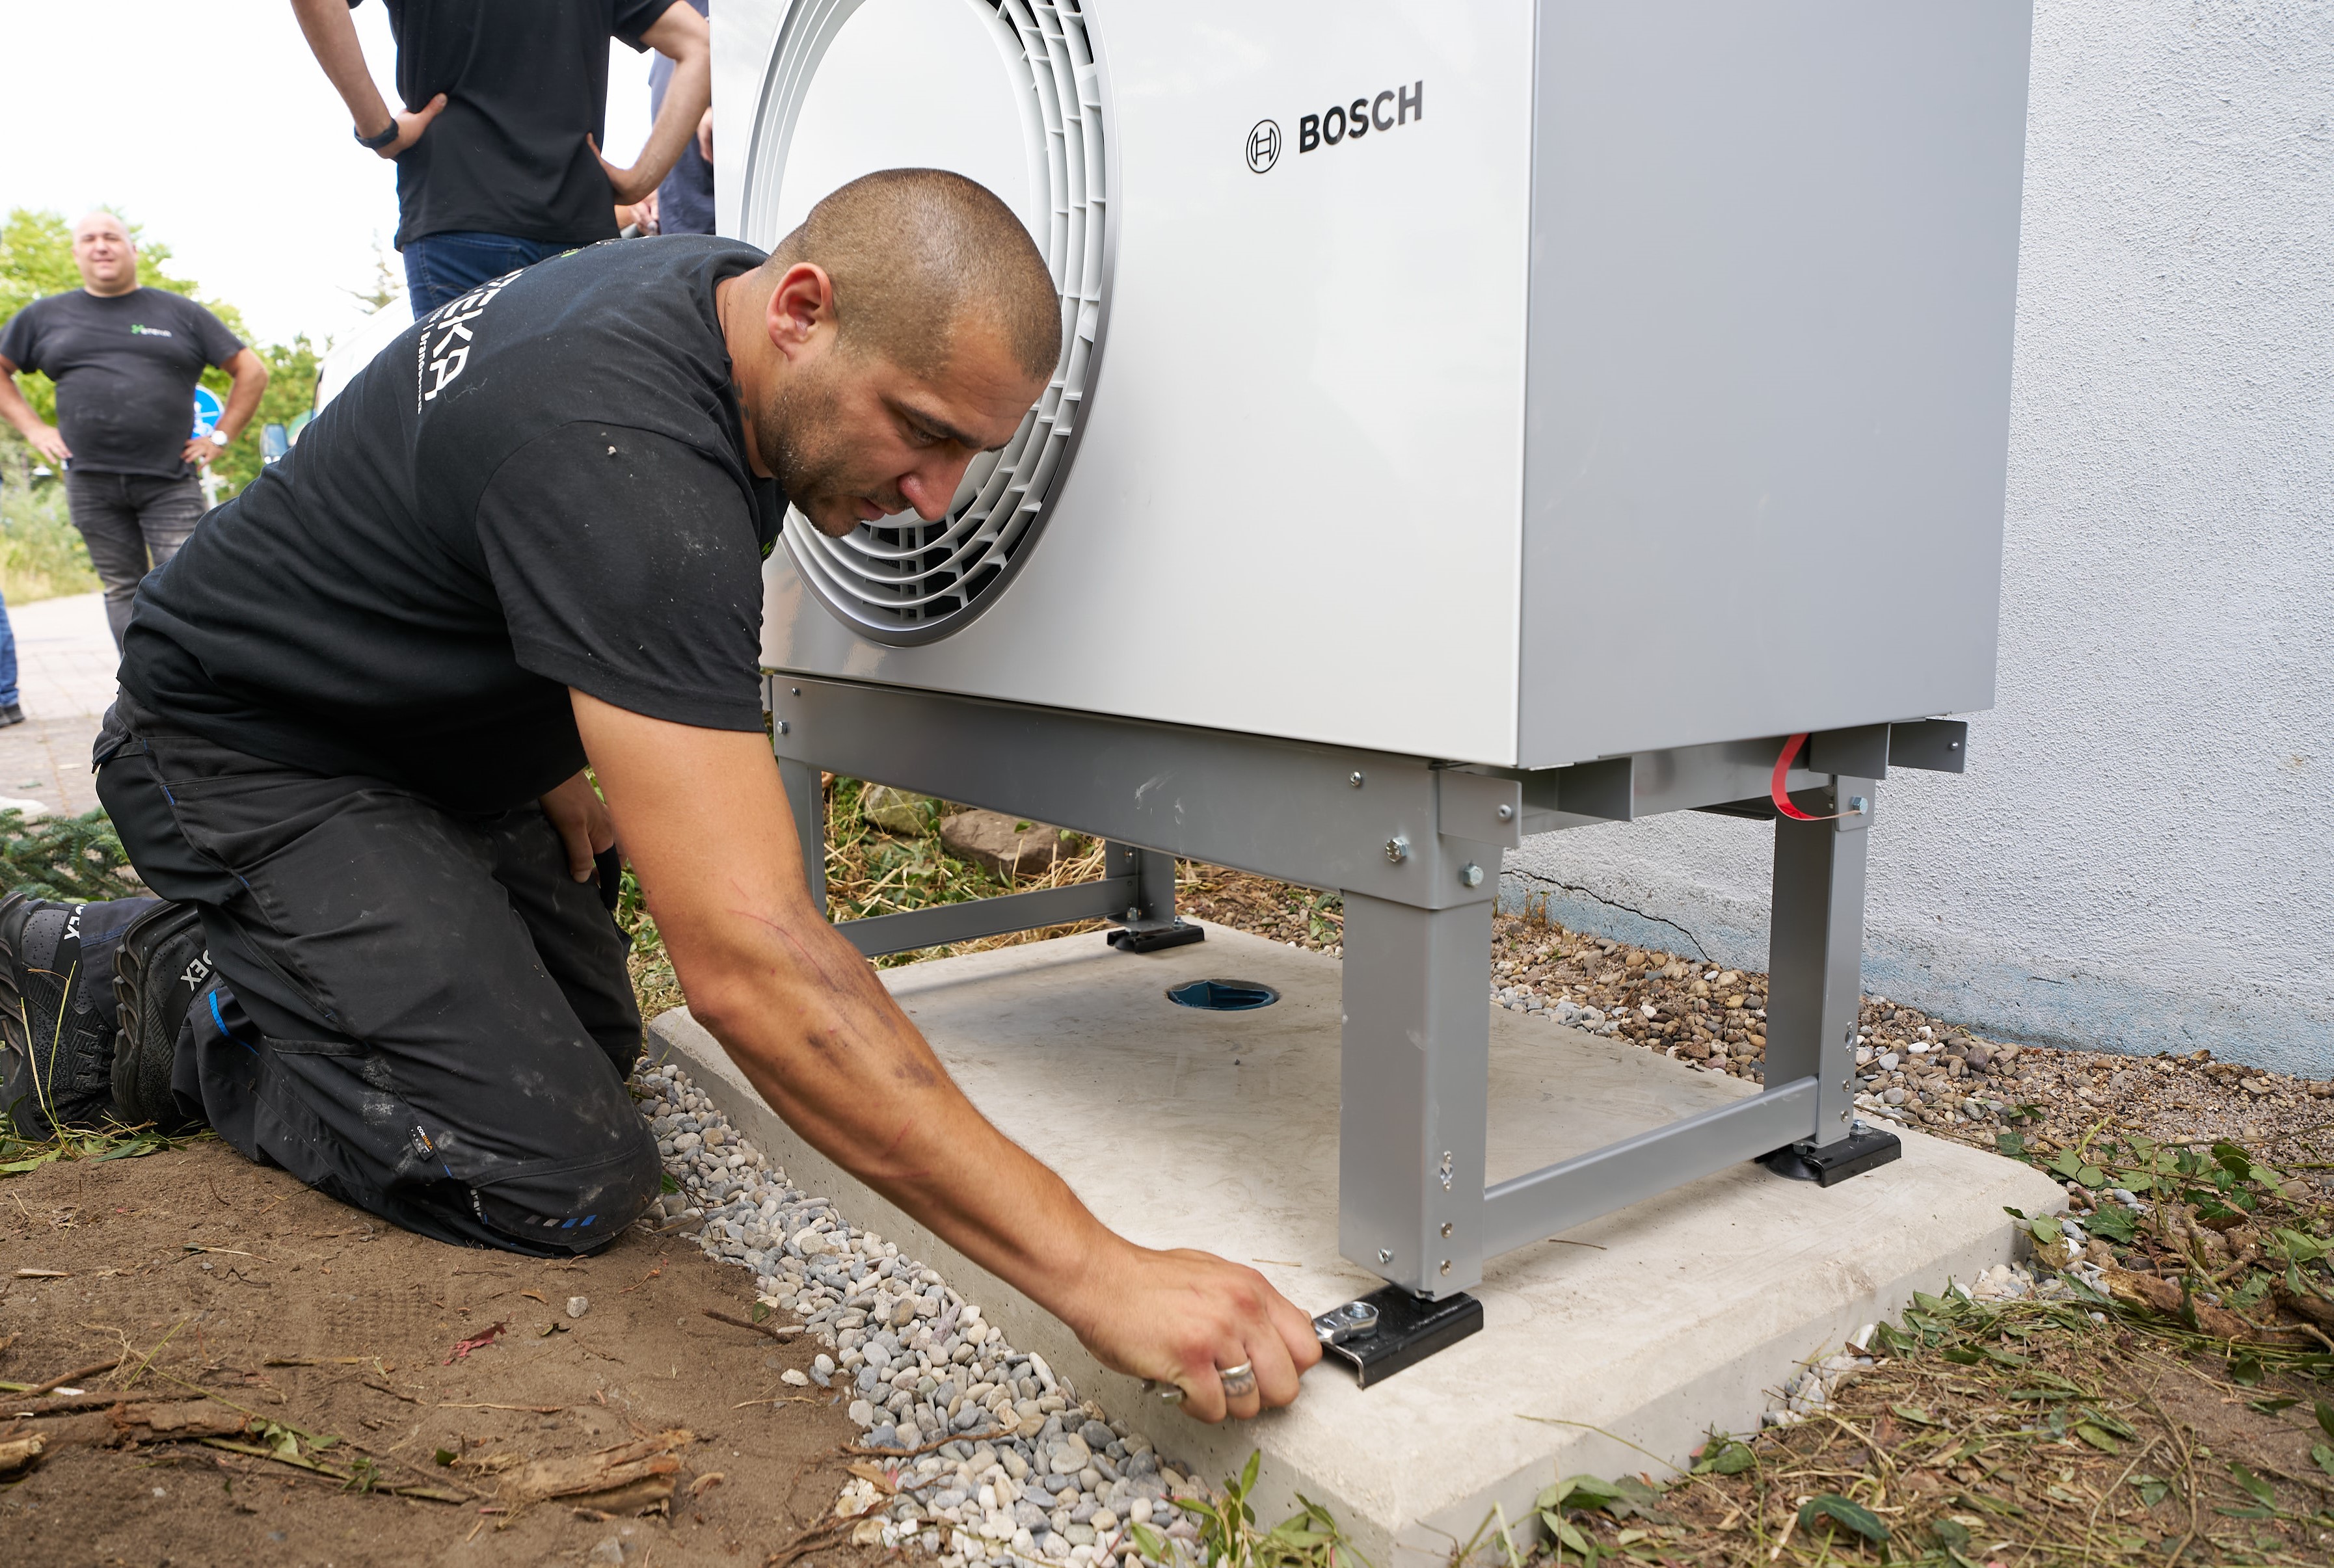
1416 1081
1815 958
806 798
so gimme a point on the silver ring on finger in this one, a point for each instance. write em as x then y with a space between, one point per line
1239 1382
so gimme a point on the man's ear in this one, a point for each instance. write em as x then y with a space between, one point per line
801 307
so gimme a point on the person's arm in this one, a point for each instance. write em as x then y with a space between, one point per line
331 35
249 379
681 35
703 819
41 434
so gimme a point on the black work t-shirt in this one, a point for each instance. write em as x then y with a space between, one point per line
526 81
125 366
542 485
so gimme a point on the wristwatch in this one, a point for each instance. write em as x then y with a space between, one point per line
378 140
219 439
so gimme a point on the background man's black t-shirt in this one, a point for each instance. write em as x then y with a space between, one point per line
526 81
125 366
542 485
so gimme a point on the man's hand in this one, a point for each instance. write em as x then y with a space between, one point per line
584 826
705 819
49 443
200 450
411 124
705 135
1178 1317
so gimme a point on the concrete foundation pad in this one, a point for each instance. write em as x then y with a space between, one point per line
1180 1128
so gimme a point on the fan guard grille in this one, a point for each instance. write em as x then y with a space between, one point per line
914 582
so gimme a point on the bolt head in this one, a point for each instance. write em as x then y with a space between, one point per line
1471 875
1507 812
1397 850
1858 805
1446 1265
1446 1228
781 727
1386 1254
1354 778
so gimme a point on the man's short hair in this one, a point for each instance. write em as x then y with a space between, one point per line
914 254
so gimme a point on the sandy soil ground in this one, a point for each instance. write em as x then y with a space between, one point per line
195 1270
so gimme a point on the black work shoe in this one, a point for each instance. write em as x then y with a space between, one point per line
163 965
11 713
57 1017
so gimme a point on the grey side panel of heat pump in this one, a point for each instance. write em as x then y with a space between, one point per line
1773 271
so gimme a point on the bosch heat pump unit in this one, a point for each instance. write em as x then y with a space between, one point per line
1474 419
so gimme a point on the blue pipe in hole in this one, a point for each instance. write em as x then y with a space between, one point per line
1222 995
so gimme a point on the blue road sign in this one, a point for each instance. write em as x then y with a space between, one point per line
209 411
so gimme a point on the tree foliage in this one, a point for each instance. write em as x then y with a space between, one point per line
37 260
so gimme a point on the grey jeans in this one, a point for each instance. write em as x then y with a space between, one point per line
127 518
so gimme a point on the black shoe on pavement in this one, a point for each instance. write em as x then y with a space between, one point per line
13 713
57 1017
164 963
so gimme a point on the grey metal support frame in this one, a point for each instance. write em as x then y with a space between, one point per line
1815 958
1413 846
1412 1121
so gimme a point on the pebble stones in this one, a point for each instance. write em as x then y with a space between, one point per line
1025 1475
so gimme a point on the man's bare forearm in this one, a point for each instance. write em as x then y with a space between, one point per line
680 35
332 36
13 406
250 382
806 1018
702 815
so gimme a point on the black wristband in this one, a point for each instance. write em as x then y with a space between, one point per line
376 142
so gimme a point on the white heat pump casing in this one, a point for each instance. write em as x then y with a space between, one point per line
1647 387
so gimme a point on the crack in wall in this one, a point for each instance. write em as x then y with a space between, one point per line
1530 876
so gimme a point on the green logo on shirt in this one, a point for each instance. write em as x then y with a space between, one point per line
138 330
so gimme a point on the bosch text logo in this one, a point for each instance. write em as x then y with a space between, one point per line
1264 145
1386 110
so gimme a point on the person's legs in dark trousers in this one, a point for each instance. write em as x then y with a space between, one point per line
443 267
128 521
422 1015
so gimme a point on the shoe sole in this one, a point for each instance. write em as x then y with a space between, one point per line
162 964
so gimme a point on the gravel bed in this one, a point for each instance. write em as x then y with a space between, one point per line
1024 1471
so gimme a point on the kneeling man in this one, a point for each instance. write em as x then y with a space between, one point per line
356 712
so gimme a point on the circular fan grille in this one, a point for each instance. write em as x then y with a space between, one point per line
900 580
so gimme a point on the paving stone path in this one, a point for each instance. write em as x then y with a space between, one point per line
65 665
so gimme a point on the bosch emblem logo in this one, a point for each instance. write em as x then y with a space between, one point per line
1263 146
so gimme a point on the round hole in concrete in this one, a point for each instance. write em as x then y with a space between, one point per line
1222 995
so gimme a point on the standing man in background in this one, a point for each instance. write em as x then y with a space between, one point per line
125 360
683 204
498 148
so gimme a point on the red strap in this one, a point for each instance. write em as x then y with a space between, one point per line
1775 787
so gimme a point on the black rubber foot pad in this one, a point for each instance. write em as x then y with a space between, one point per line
1182 934
1858 1153
1410 1329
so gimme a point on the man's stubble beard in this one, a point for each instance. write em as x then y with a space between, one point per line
805 450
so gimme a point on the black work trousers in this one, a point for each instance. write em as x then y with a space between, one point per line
418 1013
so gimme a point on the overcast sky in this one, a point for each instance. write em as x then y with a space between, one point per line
211 126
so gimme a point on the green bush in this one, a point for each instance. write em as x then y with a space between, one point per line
40 551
